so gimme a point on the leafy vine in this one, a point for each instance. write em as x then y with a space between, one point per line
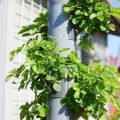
44 68
89 17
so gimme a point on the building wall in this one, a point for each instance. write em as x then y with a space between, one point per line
13 15
3 6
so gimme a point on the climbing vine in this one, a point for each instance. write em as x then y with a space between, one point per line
89 17
44 68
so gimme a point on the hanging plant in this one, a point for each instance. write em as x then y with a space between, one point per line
44 69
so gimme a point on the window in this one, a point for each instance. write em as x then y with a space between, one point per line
38 2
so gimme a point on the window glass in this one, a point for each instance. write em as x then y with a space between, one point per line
37 1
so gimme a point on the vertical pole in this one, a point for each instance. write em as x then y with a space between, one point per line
60 28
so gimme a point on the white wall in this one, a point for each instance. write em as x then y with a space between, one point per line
18 14
3 17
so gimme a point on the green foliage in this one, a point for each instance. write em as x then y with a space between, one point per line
38 27
89 17
43 110
44 68
93 88
115 12
15 52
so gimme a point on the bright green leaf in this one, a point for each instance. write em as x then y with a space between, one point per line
64 49
78 12
50 78
77 94
92 16
43 110
38 69
103 28
56 87
112 27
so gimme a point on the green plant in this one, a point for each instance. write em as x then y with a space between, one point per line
92 89
44 69
89 17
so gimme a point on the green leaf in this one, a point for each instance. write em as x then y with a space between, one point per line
89 1
24 111
115 15
115 12
83 92
50 78
103 28
77 12
11 74
100 13
56 87
89 108
28 62
74 67
72 55
34 108
39 69
101 18
105 8
64 71
76 86
15 52
42 18
112 27
67 9
75 20
64 49
93 15
77 94
116 103
86 44
12 55
24 29
19 71
43 110
25 34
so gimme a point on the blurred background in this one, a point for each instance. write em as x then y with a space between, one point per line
17 13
